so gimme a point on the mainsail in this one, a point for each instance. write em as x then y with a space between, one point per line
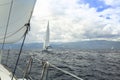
15 18
47 36
20 15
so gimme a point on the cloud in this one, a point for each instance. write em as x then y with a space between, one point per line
114 3
75 20
98 4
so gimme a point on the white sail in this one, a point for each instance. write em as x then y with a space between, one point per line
47 37
20 15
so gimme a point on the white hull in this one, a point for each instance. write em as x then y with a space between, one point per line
47 50
5 74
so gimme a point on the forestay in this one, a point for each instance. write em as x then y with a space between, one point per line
20 15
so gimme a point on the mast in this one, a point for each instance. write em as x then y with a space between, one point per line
0 56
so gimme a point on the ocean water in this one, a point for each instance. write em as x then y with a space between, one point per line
86 64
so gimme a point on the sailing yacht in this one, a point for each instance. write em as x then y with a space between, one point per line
15 18
46 44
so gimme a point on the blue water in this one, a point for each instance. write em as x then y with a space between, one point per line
87 64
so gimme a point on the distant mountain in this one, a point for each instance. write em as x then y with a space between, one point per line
93 44
26 46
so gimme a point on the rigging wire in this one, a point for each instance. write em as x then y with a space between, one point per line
28 28
8 20
19 54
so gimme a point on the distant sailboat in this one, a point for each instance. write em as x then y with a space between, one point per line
46 44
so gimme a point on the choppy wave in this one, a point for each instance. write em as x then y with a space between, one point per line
89 65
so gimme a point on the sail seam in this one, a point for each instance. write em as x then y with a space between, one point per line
13 33
5 4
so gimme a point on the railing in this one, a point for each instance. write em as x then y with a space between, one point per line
46 64
45 69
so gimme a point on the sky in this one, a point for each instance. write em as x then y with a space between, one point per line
76 20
